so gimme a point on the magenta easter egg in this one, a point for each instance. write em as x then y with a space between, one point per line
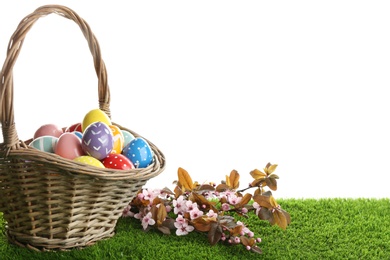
97 140
117 161
69 146
48 129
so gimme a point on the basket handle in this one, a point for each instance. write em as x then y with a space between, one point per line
11 140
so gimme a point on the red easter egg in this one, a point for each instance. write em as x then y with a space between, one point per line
117 161
74 127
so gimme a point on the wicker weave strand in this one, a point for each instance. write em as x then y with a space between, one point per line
49 202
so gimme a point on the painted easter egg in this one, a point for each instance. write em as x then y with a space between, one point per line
48 129
139 152
127 137
74 127
98 140
89 160
69 146
45 143
118 139
117 161
95 115
78 134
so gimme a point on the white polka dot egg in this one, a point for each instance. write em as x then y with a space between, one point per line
139 152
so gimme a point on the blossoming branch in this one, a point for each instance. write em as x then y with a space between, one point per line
211 208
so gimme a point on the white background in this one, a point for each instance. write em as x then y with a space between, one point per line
223 85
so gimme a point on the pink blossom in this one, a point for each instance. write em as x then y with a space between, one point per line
180 220
147 220
182 226
225 207
138 215
179 205
127 212
257 207
234 199
149 194
184 229
212 214
191 205
196 213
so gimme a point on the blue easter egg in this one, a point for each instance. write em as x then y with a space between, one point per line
139 152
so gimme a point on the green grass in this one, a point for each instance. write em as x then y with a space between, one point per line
320 229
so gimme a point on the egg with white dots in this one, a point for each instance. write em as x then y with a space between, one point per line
139 152
117 161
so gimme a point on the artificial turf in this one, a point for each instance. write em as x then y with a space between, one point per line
325 228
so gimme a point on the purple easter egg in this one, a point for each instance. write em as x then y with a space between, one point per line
97 140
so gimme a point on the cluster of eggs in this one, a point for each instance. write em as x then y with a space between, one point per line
95 141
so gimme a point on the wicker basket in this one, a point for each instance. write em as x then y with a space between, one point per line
49 202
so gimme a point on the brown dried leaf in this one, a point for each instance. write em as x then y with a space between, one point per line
215 233
178 191
167 191
280 219
271 168
271 183
205 187
265 214
164 230
185 179
201 224
246 241
201 200
236 231
247 197
273 201
161 214
263 201
256 249
258 183
234 179
257 174
222 187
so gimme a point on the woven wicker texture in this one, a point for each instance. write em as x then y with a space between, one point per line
49 202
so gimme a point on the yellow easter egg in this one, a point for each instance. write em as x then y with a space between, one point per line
95 115
89 160
119 140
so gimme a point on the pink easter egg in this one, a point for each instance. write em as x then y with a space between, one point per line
69 146
48 129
